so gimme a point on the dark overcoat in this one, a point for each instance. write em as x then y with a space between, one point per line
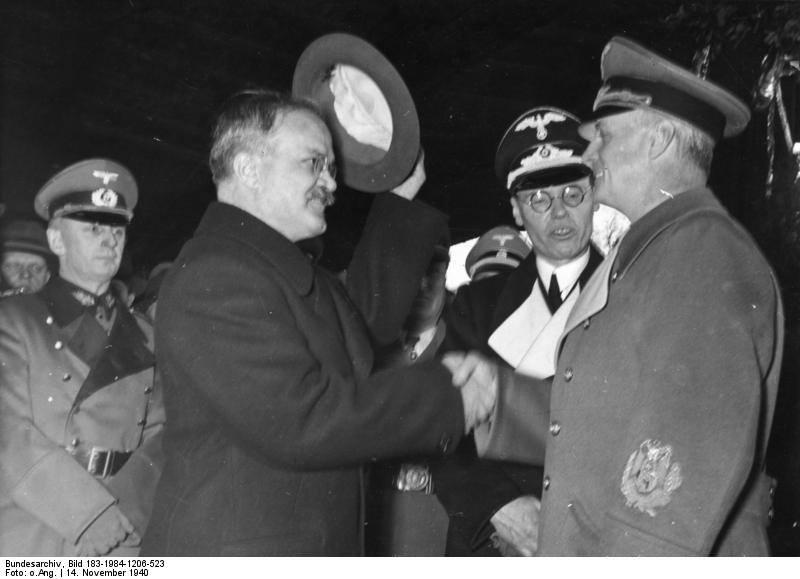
664 393
271 406
55 405
473 490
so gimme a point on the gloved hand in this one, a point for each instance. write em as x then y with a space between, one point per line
106 532
517 525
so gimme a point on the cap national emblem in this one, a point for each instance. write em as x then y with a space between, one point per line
104 197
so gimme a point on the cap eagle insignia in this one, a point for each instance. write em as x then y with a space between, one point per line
539 122
106 176
502 239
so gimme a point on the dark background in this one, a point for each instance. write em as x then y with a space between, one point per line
139 81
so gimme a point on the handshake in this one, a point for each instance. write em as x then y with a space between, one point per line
477 377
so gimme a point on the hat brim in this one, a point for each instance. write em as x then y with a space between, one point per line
26 247
586 128
362 166
102 217
555 174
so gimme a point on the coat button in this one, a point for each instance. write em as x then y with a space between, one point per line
555 428
771 513
148 390
49 320
614 277
141 422
444 443
546 483
568 373
66 377
586 323
75 442
412 355
58 345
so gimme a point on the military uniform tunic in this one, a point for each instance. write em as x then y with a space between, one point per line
70 384
664 393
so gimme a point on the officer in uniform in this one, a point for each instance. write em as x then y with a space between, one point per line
662 401
514 318
498 250
80 416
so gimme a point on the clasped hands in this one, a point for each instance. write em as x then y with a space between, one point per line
477 378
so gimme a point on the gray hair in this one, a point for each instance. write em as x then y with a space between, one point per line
244 121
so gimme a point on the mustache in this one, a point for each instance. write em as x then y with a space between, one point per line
327 198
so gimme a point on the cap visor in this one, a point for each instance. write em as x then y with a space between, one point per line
551 176
101 217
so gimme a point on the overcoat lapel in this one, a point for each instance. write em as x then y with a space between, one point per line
125 354
593 296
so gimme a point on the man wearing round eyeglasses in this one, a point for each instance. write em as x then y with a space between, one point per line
516 318
267 361
26 257
668 369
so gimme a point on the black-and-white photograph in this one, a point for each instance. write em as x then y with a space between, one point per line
398 278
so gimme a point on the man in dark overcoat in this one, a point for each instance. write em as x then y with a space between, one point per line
267 360
80 415
665 387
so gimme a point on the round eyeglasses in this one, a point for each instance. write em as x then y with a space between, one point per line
321 163
540 200
18 269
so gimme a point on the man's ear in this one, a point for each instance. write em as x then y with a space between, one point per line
661 137
516 211
56 241
245 168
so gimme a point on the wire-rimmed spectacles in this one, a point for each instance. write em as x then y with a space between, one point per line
321 163
17 269
540 200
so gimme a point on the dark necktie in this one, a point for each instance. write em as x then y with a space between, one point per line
553 294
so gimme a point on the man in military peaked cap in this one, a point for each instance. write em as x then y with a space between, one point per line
497 250
665 386
514 318
80 417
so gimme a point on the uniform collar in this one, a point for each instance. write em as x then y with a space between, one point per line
225 220
567 274
514 288
67 301
650 225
